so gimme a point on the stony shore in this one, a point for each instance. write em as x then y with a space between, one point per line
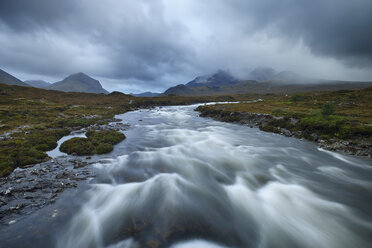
361 148
29 189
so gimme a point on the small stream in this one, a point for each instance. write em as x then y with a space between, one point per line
56 152
180 180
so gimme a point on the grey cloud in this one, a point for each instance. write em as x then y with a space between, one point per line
159 43
337 28
133 38
24 15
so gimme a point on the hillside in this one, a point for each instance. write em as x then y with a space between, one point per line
78 82
37 83
6 78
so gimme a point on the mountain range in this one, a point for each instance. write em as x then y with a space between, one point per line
37 83
261 80
78 82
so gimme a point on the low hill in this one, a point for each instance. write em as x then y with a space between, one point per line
37 83
6 78
78 82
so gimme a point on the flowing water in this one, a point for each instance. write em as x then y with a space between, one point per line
180 180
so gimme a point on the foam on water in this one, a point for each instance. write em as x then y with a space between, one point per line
197 244
292 216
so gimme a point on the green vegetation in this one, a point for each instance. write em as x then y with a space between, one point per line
339 115
106 136
79 146
297 98
33 120
98 142
328 109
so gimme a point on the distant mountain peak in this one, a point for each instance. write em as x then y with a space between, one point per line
220 77
262 73
80 75
79 82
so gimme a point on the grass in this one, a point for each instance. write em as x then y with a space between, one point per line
97 142
330 115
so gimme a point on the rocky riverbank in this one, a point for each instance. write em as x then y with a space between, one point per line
29 189
285 126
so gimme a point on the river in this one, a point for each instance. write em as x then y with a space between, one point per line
180 180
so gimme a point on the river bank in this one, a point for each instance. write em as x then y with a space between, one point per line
26 190
32 187
277 124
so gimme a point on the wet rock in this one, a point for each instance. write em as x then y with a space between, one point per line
315 137
8 192
78 163
115 126
285 132
294 121
26 190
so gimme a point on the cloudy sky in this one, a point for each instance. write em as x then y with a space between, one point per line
140 45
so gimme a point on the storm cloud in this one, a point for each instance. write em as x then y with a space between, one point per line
153 44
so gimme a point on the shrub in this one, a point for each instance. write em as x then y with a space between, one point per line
297 98
328 109
277 112
80 146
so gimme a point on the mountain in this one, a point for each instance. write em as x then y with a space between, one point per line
6 78
249 86
78 82
289 77
262 74
220 77
265 80
146 94
202 85
37 83
180 89
265 74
